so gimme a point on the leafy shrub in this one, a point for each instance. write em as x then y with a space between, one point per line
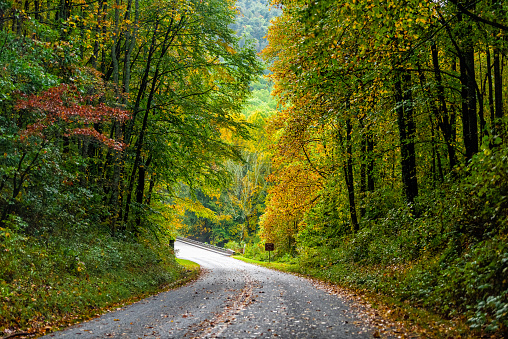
475 284
256 251
235 246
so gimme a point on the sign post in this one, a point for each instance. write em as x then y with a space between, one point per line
269 247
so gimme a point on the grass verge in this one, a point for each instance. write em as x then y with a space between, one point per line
285 267
190 265
46 286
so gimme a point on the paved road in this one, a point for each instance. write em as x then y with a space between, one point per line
231 300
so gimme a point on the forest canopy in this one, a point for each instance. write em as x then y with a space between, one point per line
367 140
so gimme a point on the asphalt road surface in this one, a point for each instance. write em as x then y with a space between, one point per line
231 299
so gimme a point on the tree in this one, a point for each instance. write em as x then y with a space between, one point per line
379 78
176 68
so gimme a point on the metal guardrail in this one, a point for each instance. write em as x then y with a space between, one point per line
209 247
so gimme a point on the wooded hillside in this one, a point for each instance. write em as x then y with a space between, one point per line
105 108
389 163
382 165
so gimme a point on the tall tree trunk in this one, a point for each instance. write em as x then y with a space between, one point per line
98 35
130 126
370 162
434 115
348 174
366 165
491 92
468 95
130 42
116 180
363 174
498 90
468 91
37 15
163 47
114 49
433 146
117 156
140 188
444 120
119 170
407 130
148 199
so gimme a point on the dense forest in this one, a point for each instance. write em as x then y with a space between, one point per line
389 163
252 22
388 152
106 108
231 213
378 162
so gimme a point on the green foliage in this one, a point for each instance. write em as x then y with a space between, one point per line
281 266
233 245
261 101
378 174
188 264
24 66
59 279
253 20
82 189
256 250
231 212
450 255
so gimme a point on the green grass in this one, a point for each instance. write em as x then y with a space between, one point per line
190 265
286 267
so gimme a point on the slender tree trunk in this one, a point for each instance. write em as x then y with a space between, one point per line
130 43
363 174
98 35
37 15
115 186
348 174
140 188
434 114
370 162
491 92
498 87
468 94
366 166
140 142
407 130
148 200
163 47
468 91
433 146
444 120
130 126
114 49
102 66
118 184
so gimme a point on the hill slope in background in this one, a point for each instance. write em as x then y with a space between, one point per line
253 21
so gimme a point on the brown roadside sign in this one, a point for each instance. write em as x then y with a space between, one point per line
269 246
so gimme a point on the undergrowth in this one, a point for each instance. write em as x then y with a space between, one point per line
447 254
49 283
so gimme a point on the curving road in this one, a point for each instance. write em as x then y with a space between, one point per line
232 299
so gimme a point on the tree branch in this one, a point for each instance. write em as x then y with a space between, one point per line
477 18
